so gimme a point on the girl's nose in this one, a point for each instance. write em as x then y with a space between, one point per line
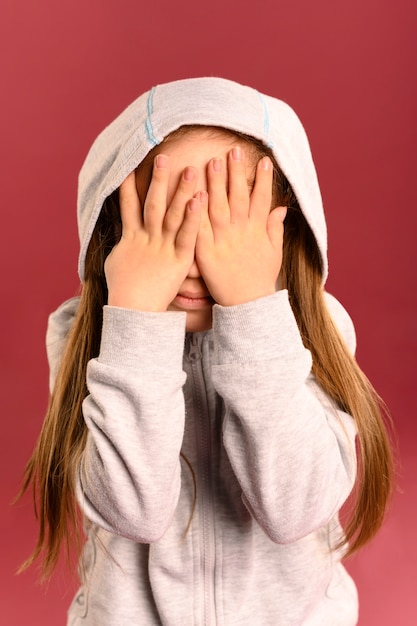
194 271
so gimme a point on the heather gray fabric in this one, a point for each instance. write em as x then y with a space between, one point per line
273 461
215 466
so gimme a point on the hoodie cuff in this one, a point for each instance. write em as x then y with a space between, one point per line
132 339
259 330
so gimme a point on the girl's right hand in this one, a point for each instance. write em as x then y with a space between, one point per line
145 270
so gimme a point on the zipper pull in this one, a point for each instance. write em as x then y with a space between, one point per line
194 349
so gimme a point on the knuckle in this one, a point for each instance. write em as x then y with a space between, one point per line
152 205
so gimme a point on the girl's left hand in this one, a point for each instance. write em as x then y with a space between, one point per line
239 246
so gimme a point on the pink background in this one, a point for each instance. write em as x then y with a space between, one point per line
349 70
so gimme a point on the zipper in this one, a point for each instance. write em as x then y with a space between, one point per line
204 488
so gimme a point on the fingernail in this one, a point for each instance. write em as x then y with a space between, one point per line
161 161
217 165
202 196
189 173
266 164
193 204
237 153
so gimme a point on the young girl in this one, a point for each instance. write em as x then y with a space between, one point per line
205 401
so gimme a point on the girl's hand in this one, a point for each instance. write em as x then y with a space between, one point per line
145 269
239 246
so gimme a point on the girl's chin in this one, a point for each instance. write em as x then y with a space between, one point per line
198 310
198 321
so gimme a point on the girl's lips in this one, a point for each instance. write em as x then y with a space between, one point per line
188 300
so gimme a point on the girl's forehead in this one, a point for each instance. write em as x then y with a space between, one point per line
195 131
195 138
201 143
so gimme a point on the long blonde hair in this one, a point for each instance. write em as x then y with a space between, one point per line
52 469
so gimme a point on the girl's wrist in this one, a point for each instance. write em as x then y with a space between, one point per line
138 300
235 299
137 305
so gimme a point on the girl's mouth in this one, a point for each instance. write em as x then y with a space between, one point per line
189 300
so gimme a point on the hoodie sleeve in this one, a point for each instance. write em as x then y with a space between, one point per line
130 471
292 451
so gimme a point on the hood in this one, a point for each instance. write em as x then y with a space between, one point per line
206 101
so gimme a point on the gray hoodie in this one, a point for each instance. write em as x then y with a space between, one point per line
215 466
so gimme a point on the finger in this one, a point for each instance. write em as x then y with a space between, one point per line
238 185
275 226
205 233
185 191
156 199
130 209
261 196
218 205
187 234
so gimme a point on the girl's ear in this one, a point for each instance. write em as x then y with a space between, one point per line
280 212
275 225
